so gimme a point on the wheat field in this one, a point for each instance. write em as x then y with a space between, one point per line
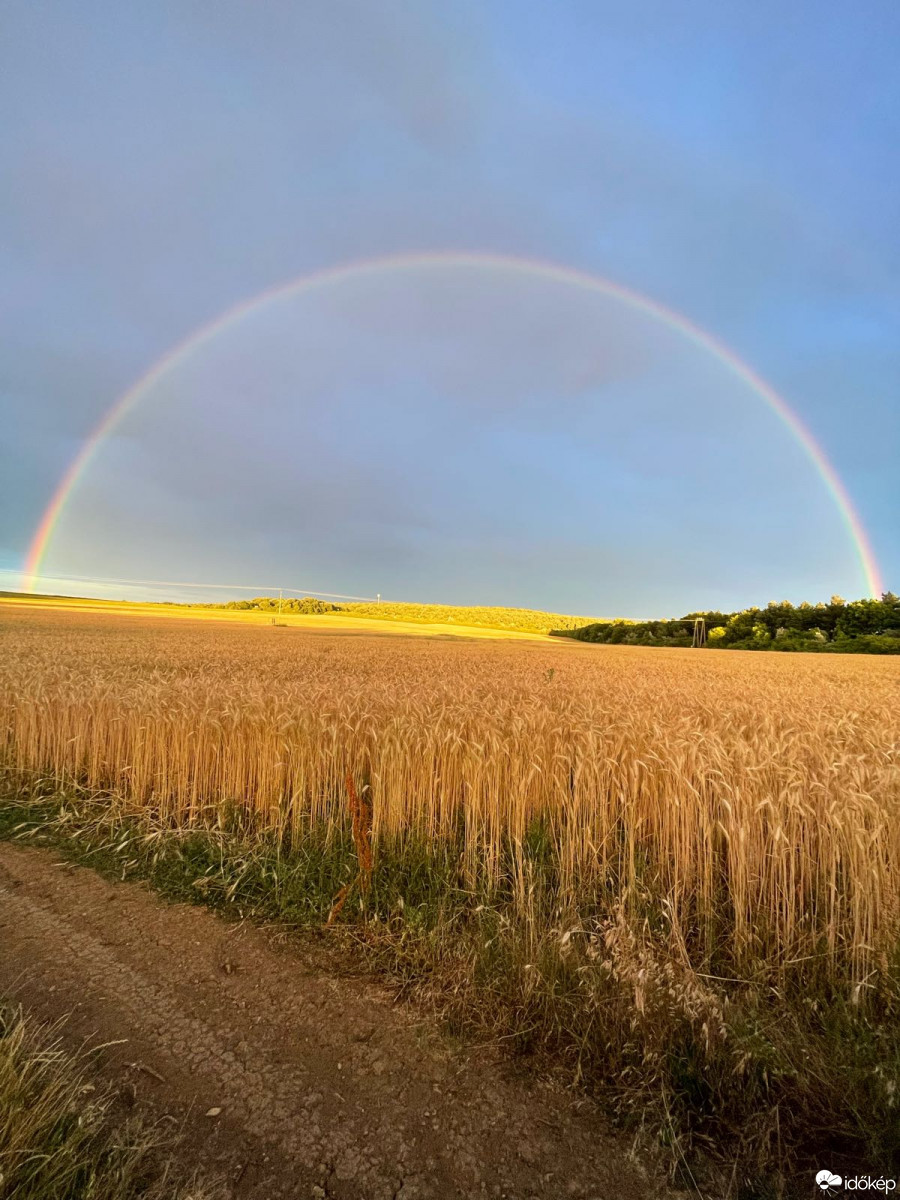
752 798
675 873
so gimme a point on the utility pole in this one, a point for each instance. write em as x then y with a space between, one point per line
279 603
699 632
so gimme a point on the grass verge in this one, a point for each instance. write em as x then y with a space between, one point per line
59 1137
759 1077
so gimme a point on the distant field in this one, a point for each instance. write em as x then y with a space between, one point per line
519 620
353 619
676 872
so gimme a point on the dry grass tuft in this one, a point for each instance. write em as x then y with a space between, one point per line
58 1139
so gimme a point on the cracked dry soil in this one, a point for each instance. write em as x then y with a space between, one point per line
325 1087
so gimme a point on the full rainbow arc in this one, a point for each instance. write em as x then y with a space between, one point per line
334 276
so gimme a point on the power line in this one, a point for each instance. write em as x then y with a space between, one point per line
228 587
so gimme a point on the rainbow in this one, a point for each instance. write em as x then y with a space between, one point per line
334 276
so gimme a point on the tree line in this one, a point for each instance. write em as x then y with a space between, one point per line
271 604
855 627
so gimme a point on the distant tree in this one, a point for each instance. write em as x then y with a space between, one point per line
740 626
779 616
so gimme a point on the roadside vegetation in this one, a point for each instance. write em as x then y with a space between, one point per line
62 1138
675 877
858 627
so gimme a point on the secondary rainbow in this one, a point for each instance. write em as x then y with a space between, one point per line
334 276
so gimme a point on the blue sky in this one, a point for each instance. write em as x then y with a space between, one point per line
452 435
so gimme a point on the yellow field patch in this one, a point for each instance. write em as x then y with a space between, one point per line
324 622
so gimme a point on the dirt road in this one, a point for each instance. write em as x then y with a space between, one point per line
317 1084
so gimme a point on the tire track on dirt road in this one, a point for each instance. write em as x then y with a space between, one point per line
325 1088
